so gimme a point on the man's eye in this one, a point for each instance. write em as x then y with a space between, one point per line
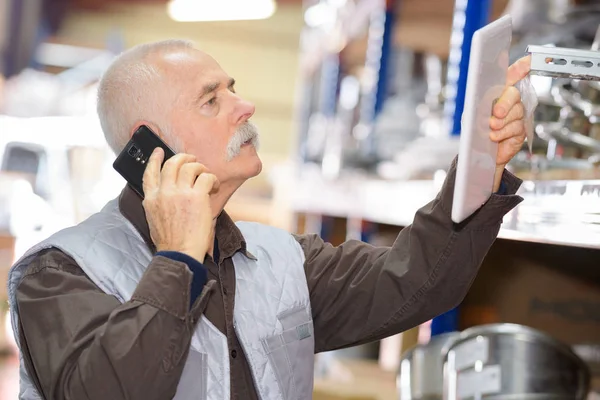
212 101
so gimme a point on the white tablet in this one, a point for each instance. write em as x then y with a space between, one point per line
486 79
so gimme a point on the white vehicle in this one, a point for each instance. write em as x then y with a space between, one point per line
54 172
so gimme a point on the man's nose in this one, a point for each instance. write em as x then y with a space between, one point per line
245 110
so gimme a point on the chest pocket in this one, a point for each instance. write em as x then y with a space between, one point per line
292 354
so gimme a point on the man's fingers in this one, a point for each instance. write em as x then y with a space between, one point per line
519 70
513 129
206 183
509 98
170 170
188 174
151 178
516 112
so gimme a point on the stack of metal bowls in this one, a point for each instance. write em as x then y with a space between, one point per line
493 362
509 362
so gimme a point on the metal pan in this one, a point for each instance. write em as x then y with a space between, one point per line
510 362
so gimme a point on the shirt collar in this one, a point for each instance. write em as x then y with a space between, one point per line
229 237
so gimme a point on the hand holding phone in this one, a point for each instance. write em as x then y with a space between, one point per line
176 198
177 204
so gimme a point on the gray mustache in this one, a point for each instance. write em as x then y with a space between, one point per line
246 132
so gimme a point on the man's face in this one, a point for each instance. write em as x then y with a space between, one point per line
210 120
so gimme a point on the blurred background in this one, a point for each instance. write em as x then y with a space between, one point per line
359 105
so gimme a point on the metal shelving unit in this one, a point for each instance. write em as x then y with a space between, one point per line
569 219
558 213
321 79
565 213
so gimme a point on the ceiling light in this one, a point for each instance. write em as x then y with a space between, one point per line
321 14
220 10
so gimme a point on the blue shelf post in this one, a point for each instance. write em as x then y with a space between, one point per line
379 62
469 16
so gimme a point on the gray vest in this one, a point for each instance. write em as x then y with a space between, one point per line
272 315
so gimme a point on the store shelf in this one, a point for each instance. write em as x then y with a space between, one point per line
553 212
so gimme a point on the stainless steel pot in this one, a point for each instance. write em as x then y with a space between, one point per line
421 370
508 361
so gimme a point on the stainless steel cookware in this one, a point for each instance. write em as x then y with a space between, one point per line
510 362
420 375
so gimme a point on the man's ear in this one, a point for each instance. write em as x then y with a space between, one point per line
153 127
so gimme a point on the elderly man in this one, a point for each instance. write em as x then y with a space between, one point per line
166 297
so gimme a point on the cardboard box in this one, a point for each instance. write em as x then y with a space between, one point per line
426 25
549 288
553 302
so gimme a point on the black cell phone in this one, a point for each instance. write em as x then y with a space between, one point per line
131 162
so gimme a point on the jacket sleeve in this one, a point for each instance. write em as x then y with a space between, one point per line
360 293
81 343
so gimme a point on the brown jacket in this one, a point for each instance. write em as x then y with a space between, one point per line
80 343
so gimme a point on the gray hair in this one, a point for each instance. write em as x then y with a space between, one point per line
133 89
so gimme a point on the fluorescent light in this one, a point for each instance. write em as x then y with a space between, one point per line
321 14
220 10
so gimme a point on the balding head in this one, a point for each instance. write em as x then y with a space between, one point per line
137 87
